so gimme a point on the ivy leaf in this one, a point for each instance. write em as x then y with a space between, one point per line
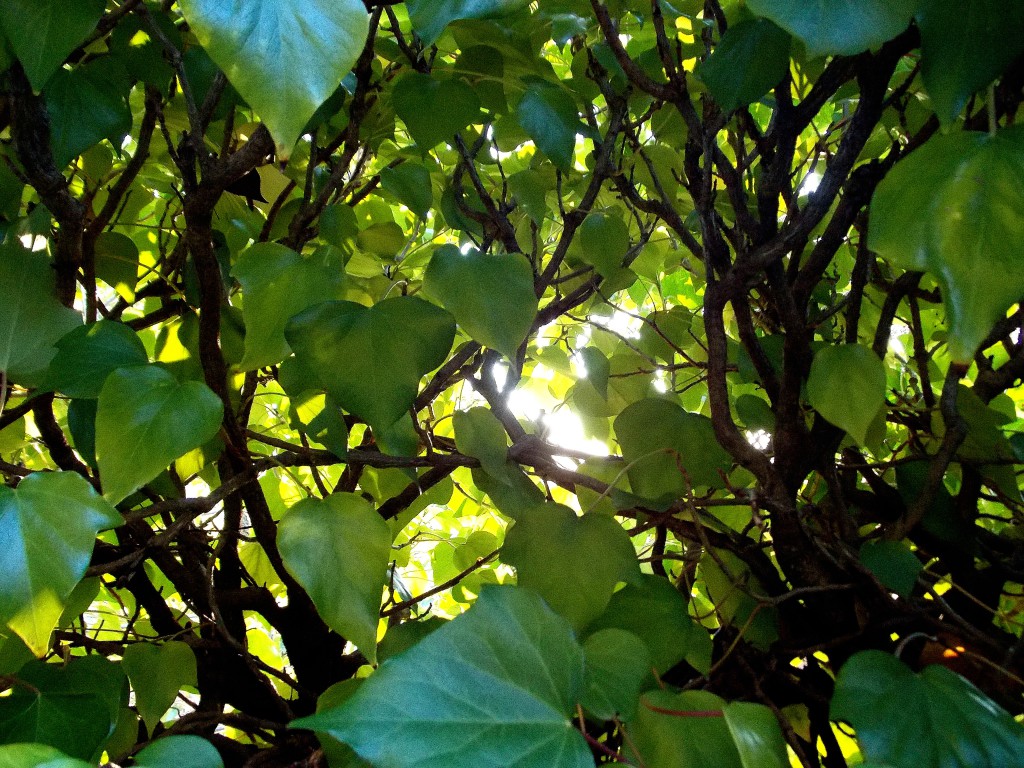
953 207
37 756
31 319
479 434
604 240
660 443
430 17
618 664
117 262
501 681
338 549
157 673
284 57
44 32
929 720
573 562
86 107
655 611
491 296
680 730
410 183
961 52
434 110
48 525
73 707
893 563
756 734
846 385
838 27
751 58
90 353
549 116
145 420
176 751
278 284
405 336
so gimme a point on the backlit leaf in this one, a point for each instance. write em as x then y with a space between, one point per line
847 386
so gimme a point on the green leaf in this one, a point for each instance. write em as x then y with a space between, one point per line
338 549
37 756
145 420
491 296
48 525
178 751
406 337
495 686
157 673
846 385
655 611
953 207
44 32
756 733
934 719
85 108
574 562
604 239
117 262
90 353
668 450
893 563
735 591
434 110
410 183
479 434
549 116
749 60
681 730
31 318
430 17
618 664
278 284
838 27
285 57
961 52
73 707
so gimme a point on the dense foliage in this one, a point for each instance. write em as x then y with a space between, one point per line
491 383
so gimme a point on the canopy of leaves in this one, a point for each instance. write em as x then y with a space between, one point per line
490 382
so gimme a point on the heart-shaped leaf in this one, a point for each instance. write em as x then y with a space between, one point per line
501 682
31 318
279 284
44 32
573 562
846 385
434 110
430 17
952 207
410 183
838 27
157 673
175 751
145 420
48 525
90 353
929 720
37 756
618 663
751 58
550 117
961 52
491 296
338 549
285 57
405 336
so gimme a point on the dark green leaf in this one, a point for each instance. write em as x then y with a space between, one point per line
681 730
549 115
179 751
410 183
618 664
934 719
434 110
501 682
44 32
430 17
157 673
338 549
406 337
573 562
90 353
145 420
85 108
751 58
604 240
838 26
48 525
893 564
491 296
953 208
